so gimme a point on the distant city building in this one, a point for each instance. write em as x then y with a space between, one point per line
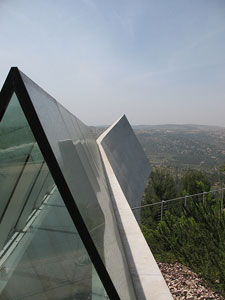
67 230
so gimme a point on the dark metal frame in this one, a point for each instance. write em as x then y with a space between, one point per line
14 83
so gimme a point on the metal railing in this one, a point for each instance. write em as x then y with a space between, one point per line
163 205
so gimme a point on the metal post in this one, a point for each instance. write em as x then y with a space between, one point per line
162 209
221 201
185 201
203 198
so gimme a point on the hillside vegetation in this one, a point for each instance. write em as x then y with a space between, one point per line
183 146
192 234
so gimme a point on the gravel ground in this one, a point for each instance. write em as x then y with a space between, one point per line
185 284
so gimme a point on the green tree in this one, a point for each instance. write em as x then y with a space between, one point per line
163 184
197 241
222 168
195 182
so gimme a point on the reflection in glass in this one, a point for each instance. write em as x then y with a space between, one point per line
16 145
41 253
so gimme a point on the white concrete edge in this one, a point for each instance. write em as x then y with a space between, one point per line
148 281
101 137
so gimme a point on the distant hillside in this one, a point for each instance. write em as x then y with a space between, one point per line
179 127
182 146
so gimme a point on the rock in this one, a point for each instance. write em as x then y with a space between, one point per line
185 284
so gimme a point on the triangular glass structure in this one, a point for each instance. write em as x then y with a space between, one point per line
57 223
42 254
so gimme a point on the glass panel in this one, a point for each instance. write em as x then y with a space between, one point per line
42 255
92 198
45 189
39 182
50 261
16 202
85 195
16 144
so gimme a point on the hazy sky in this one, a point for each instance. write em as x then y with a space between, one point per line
160 61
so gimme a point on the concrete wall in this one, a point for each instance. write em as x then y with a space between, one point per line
127 159
148 281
